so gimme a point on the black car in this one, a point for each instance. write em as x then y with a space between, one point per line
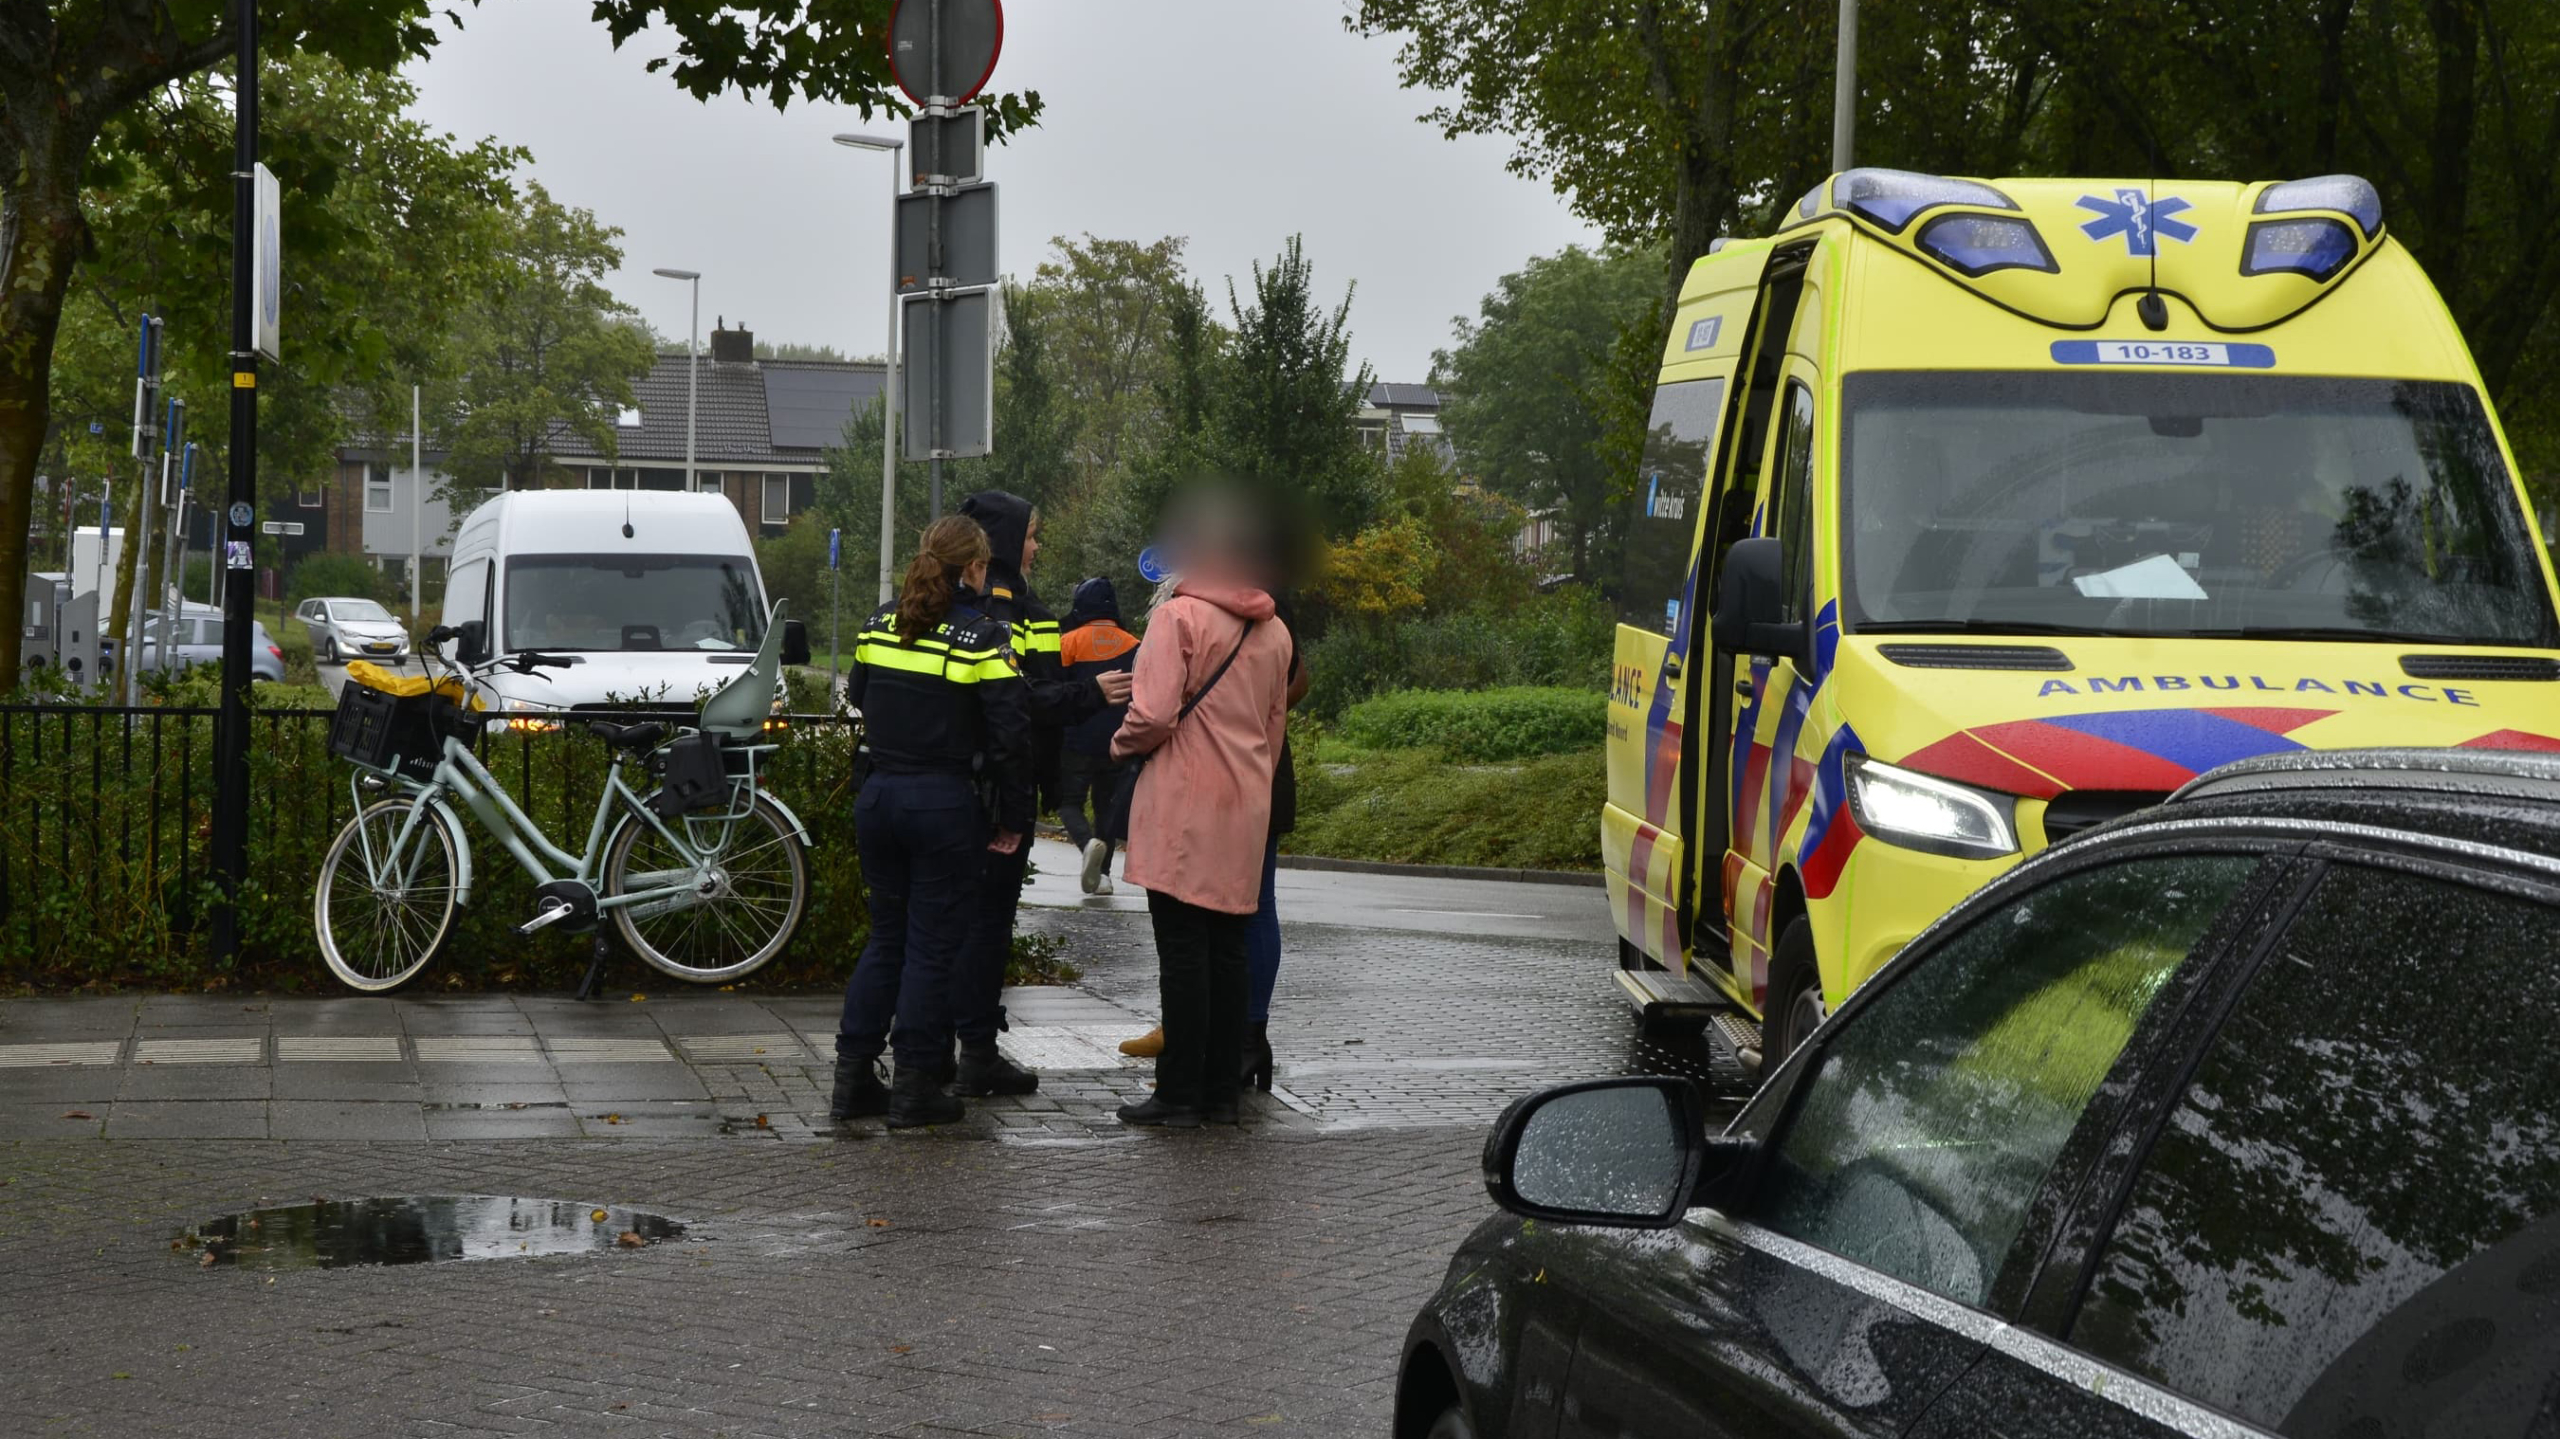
2238 1116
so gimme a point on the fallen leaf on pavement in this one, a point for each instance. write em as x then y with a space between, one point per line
597 1216
877 1223
78 1114
631 1239
763 1123
639 998
208 1261
902 1349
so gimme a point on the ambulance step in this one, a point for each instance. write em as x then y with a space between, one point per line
1654 991
1742 1034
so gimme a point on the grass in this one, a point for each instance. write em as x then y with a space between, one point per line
1412 807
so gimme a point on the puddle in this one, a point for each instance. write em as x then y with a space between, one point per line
417 1229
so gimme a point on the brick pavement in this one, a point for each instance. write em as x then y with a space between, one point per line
1038 1270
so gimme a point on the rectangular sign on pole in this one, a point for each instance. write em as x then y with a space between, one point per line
968 250
265 275
949 148
949 409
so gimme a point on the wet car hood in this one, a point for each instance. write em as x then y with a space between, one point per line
2134 714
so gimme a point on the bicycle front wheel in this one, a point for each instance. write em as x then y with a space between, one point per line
383 910
735 891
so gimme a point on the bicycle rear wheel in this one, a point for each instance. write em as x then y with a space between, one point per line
744 885
382 915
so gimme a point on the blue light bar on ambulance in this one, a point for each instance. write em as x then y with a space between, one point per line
1976 245
1891 197
2318 248
2346 194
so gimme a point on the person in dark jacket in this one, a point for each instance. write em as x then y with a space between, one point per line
1094 644
944 717
1056 701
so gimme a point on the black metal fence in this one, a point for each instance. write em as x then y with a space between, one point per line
105 815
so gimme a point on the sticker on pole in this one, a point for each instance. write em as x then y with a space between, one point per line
1151 566
952 66
835 549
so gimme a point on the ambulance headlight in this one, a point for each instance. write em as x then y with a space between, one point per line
1934 816
1891 197
1976 245
2346 194
2317 248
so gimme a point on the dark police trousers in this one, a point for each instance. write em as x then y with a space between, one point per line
977 984
923 842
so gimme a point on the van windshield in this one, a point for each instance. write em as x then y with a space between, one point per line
2183 505
633 602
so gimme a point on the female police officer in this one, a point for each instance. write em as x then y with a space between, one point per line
944 727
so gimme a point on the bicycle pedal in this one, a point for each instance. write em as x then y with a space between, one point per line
556 912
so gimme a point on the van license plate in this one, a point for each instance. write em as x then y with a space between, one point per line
2163 352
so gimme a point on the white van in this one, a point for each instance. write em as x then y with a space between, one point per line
652 596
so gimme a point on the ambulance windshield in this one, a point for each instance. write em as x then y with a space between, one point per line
2186 505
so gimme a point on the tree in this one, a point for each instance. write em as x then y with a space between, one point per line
546 348
68 68
1284 394
1525 384
1109 305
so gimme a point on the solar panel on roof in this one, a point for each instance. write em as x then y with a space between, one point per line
808 409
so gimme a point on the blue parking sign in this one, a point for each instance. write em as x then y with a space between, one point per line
835 549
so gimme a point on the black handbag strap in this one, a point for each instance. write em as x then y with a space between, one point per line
1217 674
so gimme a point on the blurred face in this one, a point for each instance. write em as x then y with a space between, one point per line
1031 542
975 577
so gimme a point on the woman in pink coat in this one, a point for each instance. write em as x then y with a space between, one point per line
1200 819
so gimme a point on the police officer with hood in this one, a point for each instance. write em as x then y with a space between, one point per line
977 995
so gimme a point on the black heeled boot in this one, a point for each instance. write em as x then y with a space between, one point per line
859 1092
918 1099
1257 1058
985 1070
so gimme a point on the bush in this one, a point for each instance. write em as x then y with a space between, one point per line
1413 808
1566 638
335 575
1481 726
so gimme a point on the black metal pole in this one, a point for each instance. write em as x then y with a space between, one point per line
239 522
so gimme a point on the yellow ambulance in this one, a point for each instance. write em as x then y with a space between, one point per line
1976 513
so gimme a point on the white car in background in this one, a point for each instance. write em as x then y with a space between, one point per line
351 629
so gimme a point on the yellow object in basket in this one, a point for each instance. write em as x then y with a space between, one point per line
375 677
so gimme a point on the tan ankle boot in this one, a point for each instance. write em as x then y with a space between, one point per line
1145 1046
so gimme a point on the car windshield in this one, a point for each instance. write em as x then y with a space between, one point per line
633 602
358 610
2216 505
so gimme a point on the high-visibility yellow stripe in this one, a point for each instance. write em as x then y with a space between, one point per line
1033 637
892 637
997 666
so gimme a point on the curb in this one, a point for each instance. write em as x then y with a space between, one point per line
1576 878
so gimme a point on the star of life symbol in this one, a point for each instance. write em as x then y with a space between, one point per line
2138 219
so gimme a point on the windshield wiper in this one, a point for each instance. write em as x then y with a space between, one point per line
1978 627
2342 633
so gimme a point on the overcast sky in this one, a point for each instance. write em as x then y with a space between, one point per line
1232 122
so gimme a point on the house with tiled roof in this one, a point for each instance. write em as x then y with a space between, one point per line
761 432
1395 417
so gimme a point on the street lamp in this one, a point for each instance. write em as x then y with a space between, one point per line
692 364
889 376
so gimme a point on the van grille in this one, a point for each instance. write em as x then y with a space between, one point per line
2479 667
1976 657
2084 809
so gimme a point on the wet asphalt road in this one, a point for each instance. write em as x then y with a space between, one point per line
1035 1270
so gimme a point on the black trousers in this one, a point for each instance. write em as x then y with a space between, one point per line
922 841
1201 976
1080 776
977 978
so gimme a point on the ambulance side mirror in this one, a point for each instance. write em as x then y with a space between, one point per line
1750 614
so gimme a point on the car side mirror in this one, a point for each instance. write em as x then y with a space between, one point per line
1751 603
471 642
795 643
1622 1153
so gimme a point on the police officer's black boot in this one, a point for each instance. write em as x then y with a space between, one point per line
918 1099
984 1070
859 1092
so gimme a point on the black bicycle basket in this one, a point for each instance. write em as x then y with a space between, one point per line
383 731
693 776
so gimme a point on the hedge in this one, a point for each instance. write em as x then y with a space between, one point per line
1481 726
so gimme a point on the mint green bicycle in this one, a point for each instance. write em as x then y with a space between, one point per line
705 876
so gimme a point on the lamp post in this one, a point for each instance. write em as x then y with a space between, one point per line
889 375
1844 87
692 364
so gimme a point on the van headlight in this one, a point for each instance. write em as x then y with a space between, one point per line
1934 816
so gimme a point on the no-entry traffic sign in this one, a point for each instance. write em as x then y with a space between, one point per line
954 69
